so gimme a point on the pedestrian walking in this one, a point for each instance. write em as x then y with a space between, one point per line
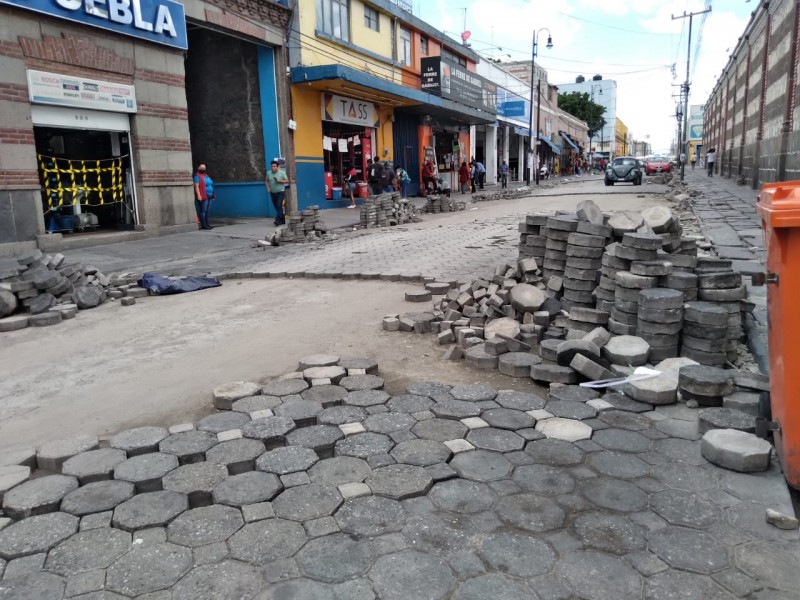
693 160
203 195
374 171
403 180
711 156
350 182
503 175
463 177
276 186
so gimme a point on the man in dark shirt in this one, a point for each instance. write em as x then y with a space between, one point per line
374 172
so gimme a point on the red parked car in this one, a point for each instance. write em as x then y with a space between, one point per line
657 164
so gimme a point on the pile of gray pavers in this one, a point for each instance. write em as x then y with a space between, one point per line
436 203
303 226
39 290
388 209
505 194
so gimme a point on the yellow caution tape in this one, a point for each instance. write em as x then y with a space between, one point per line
99 180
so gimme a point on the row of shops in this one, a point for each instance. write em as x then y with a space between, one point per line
103 118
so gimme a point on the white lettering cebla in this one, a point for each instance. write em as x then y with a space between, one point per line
126 12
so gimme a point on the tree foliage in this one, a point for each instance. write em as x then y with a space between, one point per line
579 105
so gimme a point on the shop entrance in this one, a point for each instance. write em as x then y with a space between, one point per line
344 146
449 155
87 179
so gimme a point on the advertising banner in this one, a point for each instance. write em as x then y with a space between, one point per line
695 126
342 109
455 82
159 21
80 92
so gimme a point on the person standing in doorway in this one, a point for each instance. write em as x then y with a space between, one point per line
711 157
503 175
276 186
463 177
201 196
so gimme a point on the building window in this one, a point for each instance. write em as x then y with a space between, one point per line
423 46
333 18
372 19
405 47
453 57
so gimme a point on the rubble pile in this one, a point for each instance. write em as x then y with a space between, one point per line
388 210
303 226
41 290
506 194
441 204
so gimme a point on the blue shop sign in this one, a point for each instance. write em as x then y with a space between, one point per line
159 21
510 104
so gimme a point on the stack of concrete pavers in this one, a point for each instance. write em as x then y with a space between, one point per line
40 290
660 320
442 204
388 209
584 260
705 332
719 283
304 225
625 314
532 243
611 264
557 233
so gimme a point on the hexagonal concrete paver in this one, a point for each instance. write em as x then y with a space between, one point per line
610 533
462 496
287 459
618 464
88 550
507 418
228 579
680 584
430 389
440 534
189 446
339 415
596 576
455 409
205 525
621 439
366 398
481 465
335 558
689 550
223 421
36 534
473 392
440 430
284 387
145 471
689 509
37 586
530 512
409 403
371 516
94 465
389 422
613 494
285 538
421 453
399 482
492 585
196 480
557 453
148 568
339 470
152 509
364 445
307 502
238 456
97 497
517 554
775 563
247 488
498 440
271 431
412 574
544 479
568 430
37 496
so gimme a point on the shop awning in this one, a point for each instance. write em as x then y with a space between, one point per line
569 141
553 147
349 81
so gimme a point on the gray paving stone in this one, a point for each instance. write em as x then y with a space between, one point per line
354 383
326 395
97 497
339 415
412 574
96 520
473 392
145 471
11 476
223 421
140 440
430 389
302 412
340 470
366 397
189 446
506 418
570 430
226 394
455 409
239 456
52 455
621 439
364 445
18 454
320 438
86 582
610 533
725 418
153 509
399 482
335 558
247 488
554 452
390 422
618 464
440 430
522 401
284 387
544 480
148 569
36 534
288 459
318 360
271 431
205 525
286 538
88 551
256 403
622 402
371 516
736 450
518 555
367 364
498 440
332 372
410 403
597 576
321 527
625 420
680 585
94 465
196 480
228 579
570 410
685 508
492 585
306 502
774 563
682 476
439 535
40 586
37 496
421 452
688 549
613 494
531 512
299 588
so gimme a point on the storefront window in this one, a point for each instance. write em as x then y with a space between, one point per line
333 18
345 146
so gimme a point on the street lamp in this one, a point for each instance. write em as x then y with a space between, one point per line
591 153
535 166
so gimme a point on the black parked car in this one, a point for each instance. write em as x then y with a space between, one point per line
624 169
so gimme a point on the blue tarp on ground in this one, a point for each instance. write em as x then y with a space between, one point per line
158 284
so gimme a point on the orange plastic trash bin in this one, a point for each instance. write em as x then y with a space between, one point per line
779 208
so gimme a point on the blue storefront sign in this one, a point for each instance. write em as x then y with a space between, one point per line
159 21
511 105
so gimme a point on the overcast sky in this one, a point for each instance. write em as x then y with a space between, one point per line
634 42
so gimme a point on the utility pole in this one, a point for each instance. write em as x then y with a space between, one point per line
685 89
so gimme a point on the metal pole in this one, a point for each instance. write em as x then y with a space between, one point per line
538 110
530 120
